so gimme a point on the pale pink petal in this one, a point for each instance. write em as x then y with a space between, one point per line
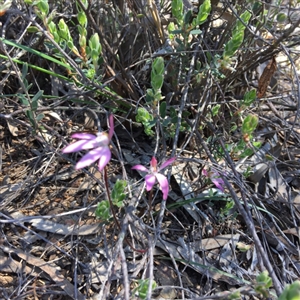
111 126
90 157
150 180
77 146
167 163
218 182
204 172
140 168
104 159
83 136
164 184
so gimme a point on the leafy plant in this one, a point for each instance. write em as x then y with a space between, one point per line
90 51
117 195
236 40
263 284
31 103
102 211
153 96
291 291
142 289
157 79
144 117
248 126
185 26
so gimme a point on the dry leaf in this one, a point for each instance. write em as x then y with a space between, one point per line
266 77
52 272
12 126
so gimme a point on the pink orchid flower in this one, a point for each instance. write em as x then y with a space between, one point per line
98 143
153 175
215 178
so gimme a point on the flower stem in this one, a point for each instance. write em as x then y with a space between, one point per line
150 199
114 214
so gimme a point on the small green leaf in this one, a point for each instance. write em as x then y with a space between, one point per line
195 31
53 30
82 41
82 19
142 288
149 96
91 73
157 73
208 56
103 210
264 278
171 28
157 82
246 153
178 31
249 124
37 96
177 11
118 192
70 44
43 7
281 17
39 117
94 43
188 17
85 3
236 295
237 35
204 11
264 282
144 117
32 29
34 106
64 30
163 109
291 291
257 144
215 109
23 99
249 97
30 116
158 65
24 71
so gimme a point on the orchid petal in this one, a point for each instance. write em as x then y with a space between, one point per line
104 159
167 163
91 157
153 163
204 172
140 168
218 184
111 126
77 146
83 136
150 180
164 184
